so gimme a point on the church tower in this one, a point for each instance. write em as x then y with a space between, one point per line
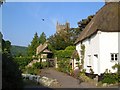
61 27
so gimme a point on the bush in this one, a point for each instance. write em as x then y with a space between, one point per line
11 75
109 78
65 53
31 70
83 78
45 64
22 62
37 65
64 66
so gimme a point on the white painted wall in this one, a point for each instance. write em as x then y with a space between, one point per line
101 44
108 45
91 48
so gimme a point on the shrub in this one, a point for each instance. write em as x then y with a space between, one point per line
64 66
45 64
11 75
22 61
110 78
31 70
65 53
37 65
83 78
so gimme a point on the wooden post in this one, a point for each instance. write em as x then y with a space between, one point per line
56 65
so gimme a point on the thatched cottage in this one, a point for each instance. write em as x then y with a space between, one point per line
43 52
100 40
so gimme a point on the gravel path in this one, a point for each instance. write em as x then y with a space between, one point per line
65 81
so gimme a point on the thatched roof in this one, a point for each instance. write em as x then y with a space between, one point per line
106 20
41 48
47 51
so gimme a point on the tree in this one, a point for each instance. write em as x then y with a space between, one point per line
42 38
34 44
58 42
67 37
82 24
11 75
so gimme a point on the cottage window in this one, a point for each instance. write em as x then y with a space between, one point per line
89 63
114 56
89 40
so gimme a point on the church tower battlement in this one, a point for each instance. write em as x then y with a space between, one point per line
60 27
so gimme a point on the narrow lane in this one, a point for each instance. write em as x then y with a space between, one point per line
65 81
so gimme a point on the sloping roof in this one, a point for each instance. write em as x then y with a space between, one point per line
41 47
106 20
46 51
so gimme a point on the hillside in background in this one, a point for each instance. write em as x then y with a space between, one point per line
18 50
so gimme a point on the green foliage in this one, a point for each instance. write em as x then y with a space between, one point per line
82 24
35 69
91 71
64 59
34 44
65 53
11 75
82 54
71 48
57 42
6 45
31 70
18 50
22 61
64 65
117 66
42 38
110 78
63 39
83 78
45 64
37 65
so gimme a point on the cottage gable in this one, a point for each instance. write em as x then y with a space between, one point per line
106 20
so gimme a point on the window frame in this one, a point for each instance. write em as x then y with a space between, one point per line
89 62
113 58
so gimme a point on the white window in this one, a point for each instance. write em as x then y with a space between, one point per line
114 56
89 63
89 40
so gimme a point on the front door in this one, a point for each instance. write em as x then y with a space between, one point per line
95 63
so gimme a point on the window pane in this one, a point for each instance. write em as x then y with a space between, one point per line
115 55
112 58
112 55
115 58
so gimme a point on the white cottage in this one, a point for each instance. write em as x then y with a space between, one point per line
100 38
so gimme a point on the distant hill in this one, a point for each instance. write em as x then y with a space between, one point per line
18 50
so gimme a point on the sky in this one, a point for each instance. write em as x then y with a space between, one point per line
20 20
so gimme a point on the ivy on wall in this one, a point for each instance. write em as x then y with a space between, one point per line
82 54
